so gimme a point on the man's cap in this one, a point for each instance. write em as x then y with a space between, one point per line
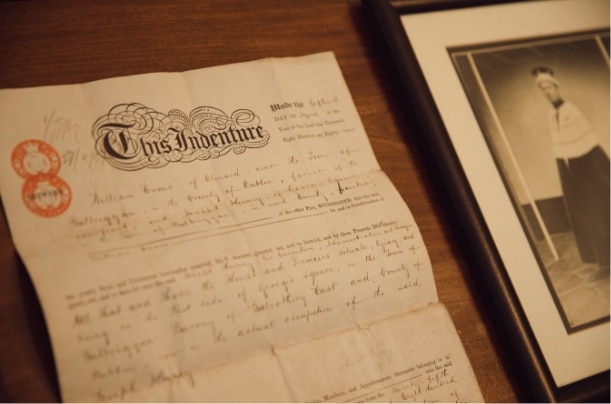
544 73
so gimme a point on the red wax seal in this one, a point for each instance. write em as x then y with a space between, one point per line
46 196
34 157
43 193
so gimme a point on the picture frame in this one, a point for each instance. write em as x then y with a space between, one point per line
559 353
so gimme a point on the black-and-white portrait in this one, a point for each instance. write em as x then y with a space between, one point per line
543 107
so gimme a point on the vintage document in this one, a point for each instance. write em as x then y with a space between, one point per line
223 234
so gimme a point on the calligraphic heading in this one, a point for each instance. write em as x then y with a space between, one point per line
132 136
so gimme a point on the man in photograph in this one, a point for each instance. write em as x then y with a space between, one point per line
583 167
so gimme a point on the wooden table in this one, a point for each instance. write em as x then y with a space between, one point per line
46 43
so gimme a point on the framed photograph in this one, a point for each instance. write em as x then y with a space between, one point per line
513 102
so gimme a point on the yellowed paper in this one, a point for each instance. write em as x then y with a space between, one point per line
217 235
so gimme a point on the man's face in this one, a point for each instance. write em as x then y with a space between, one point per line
550 90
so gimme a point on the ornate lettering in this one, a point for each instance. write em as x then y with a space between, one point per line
132 136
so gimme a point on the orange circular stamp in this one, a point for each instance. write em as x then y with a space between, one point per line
33 158
46 196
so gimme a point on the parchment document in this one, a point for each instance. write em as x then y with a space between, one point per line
223 234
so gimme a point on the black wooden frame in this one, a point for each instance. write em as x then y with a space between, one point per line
513 327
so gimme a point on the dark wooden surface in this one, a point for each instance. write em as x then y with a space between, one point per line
48 43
